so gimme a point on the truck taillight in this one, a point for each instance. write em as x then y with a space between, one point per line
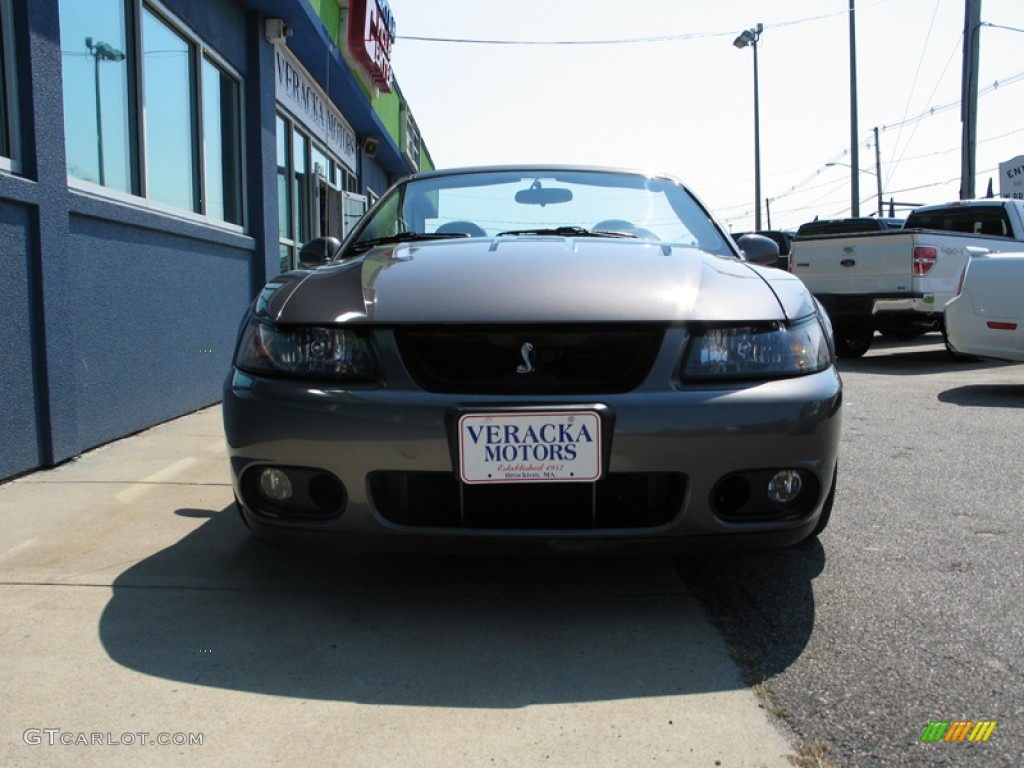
925 257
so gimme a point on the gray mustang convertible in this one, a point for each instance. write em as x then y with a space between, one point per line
565 356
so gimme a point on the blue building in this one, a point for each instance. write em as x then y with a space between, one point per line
159 161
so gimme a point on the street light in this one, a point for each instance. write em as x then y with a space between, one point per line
101 51
749 37
876 174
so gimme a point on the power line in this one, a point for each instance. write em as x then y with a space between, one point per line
1017 76
801 186
621 41
1000 26
618 41
898 148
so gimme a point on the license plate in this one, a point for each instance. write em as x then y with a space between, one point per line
530 447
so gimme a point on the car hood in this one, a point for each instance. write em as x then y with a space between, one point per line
534 280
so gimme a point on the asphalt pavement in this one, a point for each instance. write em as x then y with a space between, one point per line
907 610
144 626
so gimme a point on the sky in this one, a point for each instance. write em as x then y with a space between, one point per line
685 104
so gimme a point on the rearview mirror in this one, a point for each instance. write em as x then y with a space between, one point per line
538 195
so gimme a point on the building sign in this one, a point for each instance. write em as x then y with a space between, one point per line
410 139
1011 178
300 95
371 35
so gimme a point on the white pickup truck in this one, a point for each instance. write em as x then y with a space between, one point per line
898 281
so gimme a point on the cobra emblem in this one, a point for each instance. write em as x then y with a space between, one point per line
527 365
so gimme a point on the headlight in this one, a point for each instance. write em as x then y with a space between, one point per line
311 352
758 351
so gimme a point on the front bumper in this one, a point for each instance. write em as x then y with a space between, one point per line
671 463
867 305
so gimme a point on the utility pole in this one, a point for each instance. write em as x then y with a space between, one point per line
757 136
854 149
969 97
878 172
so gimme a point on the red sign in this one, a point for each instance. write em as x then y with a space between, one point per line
371 33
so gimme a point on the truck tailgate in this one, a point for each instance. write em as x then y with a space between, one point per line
876 263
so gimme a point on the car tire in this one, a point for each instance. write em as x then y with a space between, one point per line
853 339
960 357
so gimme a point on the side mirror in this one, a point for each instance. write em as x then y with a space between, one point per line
759 249
319 251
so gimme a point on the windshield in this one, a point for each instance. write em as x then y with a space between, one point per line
523 202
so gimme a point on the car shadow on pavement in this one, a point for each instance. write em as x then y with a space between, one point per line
986 395
762 602
224 609
923 361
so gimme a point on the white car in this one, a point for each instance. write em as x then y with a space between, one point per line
986 317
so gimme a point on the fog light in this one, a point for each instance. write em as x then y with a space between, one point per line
785 486
275 485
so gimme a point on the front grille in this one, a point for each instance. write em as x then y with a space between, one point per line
529 360
439 500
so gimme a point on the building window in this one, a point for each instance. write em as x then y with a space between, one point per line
168 90
312 194
222 145
8 89
301 187
97 116
285 226
284 199
5 141
179 142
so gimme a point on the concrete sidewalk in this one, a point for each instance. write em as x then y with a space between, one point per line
144 626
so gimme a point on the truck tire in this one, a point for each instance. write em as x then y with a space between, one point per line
853 339
904 334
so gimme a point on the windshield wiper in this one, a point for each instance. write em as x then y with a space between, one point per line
404 237
567 232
